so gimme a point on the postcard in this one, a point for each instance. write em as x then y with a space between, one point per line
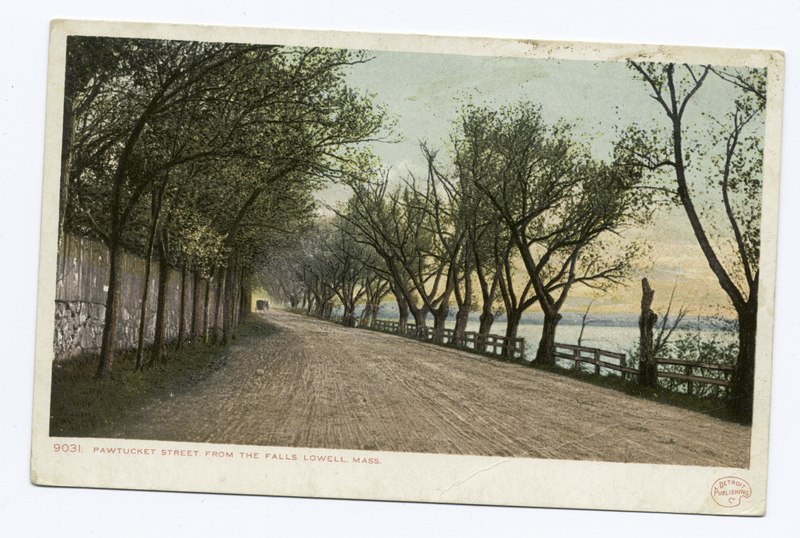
402 267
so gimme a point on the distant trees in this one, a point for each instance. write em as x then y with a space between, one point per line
714 165
387 221
200 153
327 266
521 213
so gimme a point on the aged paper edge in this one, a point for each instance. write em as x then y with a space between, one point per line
403 476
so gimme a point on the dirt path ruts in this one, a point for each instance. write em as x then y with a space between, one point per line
316 384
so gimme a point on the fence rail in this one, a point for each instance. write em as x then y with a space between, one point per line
596 357
513 348
693 372
690 369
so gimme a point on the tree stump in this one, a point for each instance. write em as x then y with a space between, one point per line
648 371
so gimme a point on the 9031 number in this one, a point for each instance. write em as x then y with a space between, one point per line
67 447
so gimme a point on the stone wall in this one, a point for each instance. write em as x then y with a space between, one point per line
81 288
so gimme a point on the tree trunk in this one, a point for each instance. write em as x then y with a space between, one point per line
236 307
464 305
195 300
419 320
145 293
109 345
402 310
741 401
439 321
485 327
227 304
374 314
486 320
513 319
206 301
648 369
488 294
182 310
223 275
244 299
462 318
239 308
66 165
365 314
545 354
348 316
159 339
241 299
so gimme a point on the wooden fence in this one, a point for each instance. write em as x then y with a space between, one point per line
599 358
473 341
691 373
720 374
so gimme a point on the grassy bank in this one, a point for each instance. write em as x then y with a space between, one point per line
82 406
715 407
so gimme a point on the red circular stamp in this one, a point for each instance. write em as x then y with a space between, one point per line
729 491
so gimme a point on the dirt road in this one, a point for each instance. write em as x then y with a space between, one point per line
315 384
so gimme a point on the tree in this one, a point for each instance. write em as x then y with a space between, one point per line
253 118
416 234
717 180
477 163
152 85
279 275
376 217
558 206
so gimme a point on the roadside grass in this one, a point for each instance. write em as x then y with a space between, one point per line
82 406
711 406
715 407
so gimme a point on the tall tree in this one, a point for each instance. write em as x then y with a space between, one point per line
716 179
558 206
488 239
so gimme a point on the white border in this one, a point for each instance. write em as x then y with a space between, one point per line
401 476
736 23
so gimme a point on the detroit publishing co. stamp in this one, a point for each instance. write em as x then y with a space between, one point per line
418 268
730 491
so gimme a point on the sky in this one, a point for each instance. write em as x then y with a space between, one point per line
423 93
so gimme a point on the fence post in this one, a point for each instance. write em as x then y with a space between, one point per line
597 361
689 382
623 363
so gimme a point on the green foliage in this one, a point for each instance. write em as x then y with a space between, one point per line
236 137
717 346
562 213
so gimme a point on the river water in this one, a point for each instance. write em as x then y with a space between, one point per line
618 338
